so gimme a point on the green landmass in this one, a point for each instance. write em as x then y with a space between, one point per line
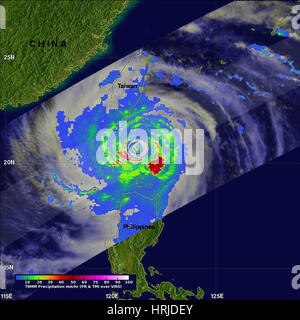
126 258
84 25
153 271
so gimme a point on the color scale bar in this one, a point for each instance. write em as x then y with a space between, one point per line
70 277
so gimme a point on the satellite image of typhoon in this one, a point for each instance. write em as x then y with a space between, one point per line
232 75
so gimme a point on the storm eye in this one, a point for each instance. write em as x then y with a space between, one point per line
137 149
